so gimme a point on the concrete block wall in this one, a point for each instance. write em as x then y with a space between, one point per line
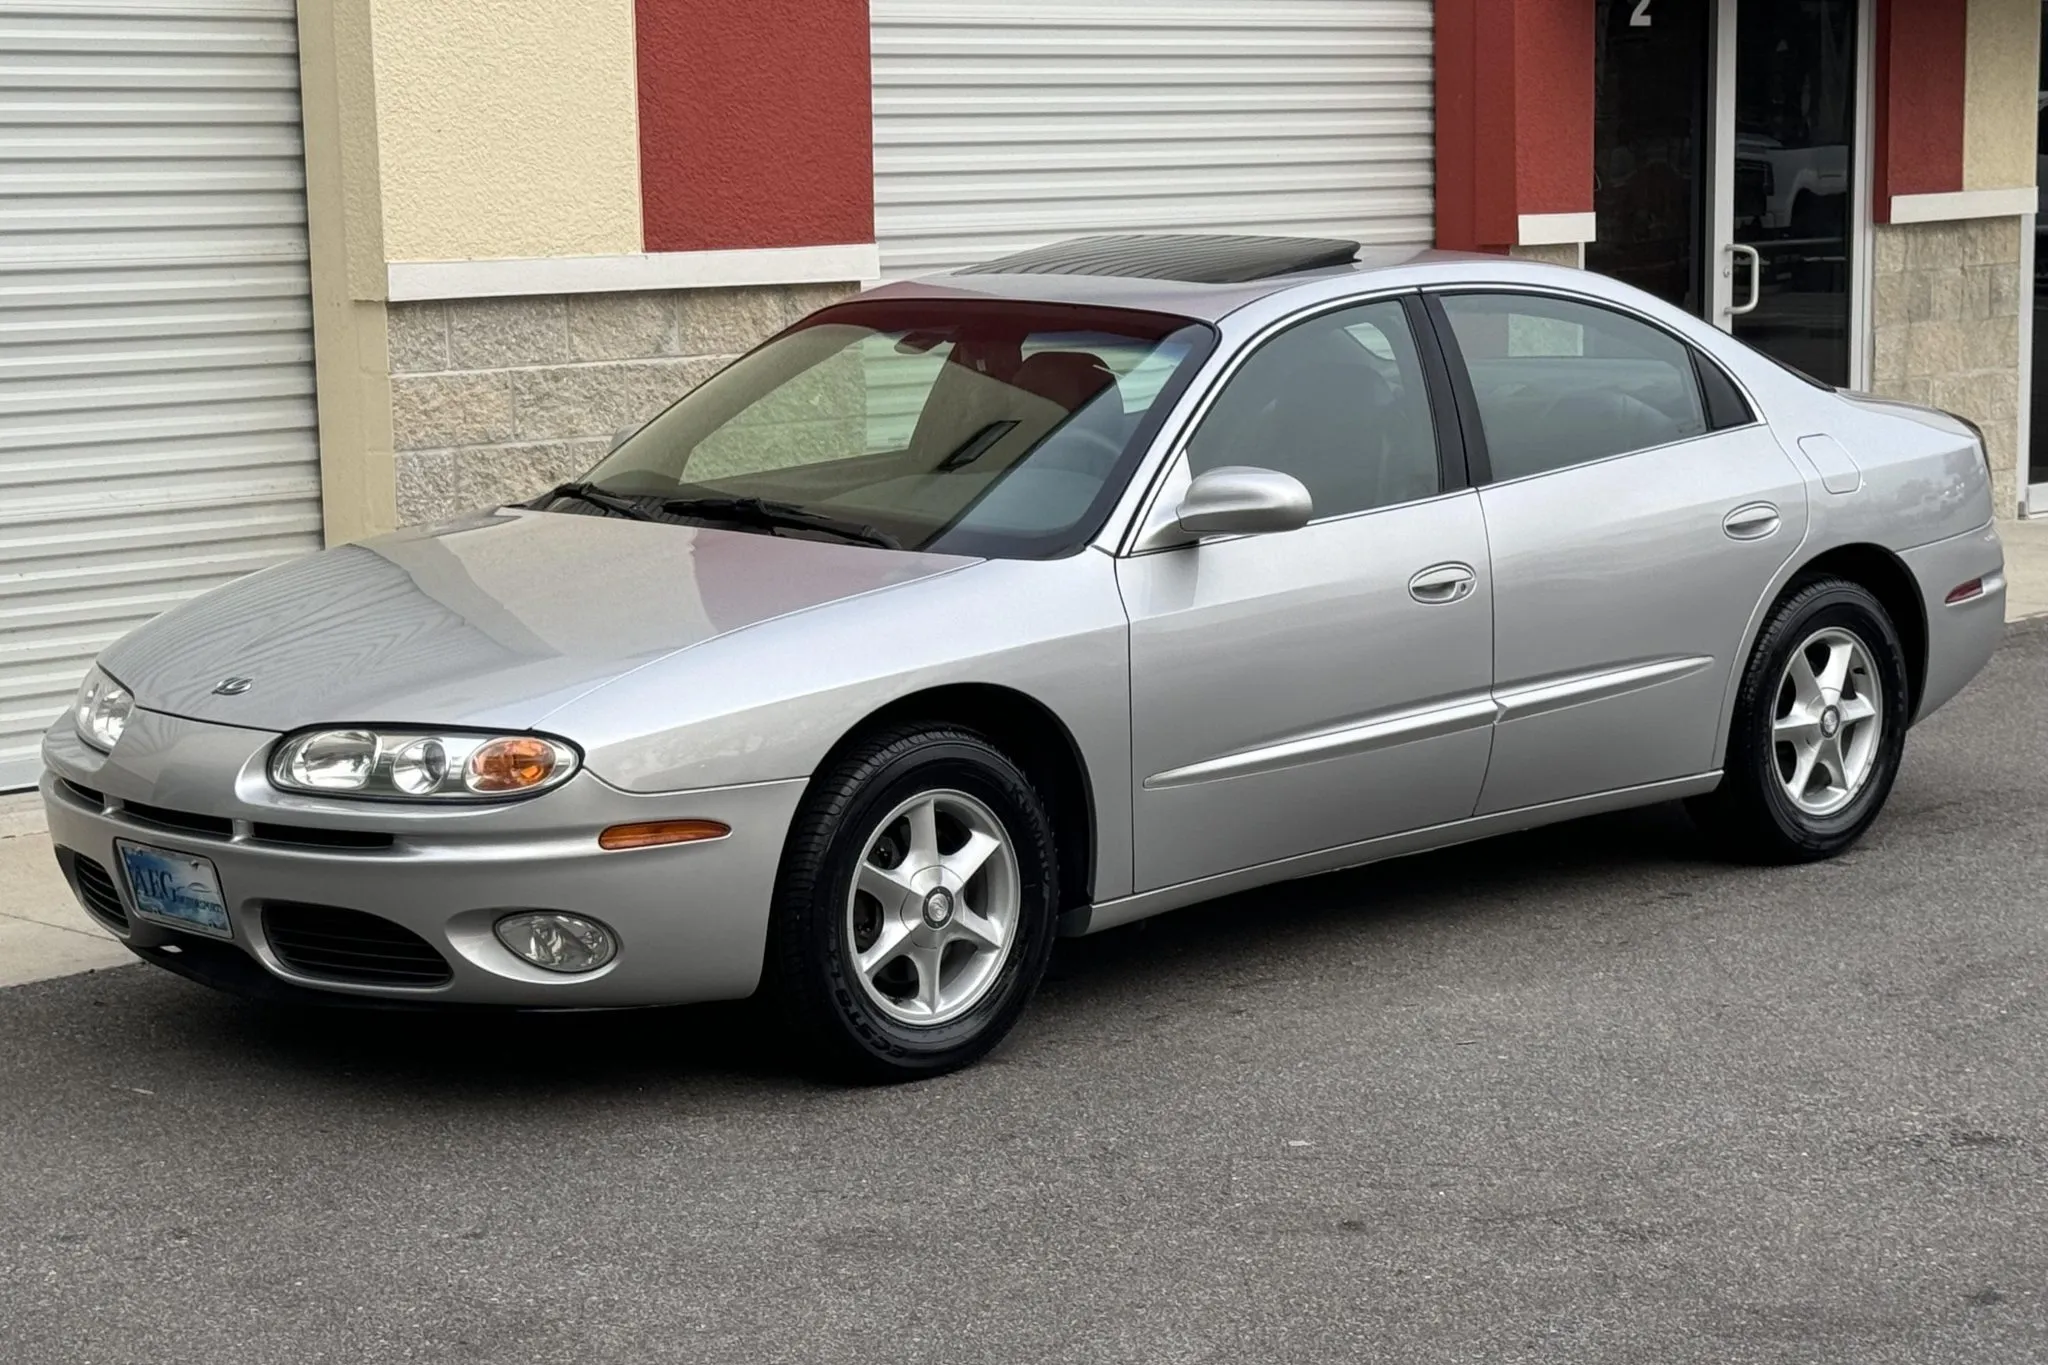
1571 254
1946 318
493 400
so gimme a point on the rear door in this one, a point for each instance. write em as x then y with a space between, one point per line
1637 512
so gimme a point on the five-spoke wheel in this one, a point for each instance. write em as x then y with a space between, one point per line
1829 721
917 903
1820 721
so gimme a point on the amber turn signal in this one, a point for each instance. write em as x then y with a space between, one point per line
656 832
511 765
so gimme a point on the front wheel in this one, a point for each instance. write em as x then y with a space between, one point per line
1819 727
916 906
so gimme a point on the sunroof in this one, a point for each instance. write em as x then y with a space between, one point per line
1190 257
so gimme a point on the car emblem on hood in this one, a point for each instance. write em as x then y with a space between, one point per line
233 687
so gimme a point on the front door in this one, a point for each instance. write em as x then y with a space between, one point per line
1299 691
1724 155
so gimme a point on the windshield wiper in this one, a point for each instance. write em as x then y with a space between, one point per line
597 497
771 515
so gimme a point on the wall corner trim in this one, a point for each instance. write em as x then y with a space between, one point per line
416 281
1961 204
1555 229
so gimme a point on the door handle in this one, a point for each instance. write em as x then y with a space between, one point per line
1752 522
1756 278
1441 583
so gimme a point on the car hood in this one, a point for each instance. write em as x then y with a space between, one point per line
493 621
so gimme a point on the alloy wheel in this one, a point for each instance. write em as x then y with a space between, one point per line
1828 722
934 908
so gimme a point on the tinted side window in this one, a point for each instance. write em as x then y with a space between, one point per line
1559 383
1339 403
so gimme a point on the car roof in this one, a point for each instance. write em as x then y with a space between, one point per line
1202 276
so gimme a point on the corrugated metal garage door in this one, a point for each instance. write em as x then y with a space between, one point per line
156 348
1000 124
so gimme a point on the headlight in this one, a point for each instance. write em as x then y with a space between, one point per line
101 711
409 765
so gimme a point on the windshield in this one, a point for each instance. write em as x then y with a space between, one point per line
979 427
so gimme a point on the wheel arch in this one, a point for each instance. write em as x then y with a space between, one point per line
1035 738
1884 576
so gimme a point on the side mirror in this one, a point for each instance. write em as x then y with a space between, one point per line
1238 500
620 436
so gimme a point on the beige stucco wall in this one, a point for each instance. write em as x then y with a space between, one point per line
507 128
2002 67
346 237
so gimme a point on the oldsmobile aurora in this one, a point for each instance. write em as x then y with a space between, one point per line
1029 600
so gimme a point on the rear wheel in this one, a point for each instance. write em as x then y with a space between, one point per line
1819 727
915 908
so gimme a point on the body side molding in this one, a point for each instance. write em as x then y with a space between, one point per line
1092 919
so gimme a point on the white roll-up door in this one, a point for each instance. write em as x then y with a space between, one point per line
156 350
1002 124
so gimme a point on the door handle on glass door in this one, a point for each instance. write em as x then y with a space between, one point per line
1751 522
1441 583
1756 278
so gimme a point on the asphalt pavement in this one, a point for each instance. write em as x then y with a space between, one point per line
1579 1095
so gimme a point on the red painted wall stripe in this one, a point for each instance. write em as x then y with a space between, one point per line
1921 48
1457 129
1554 106
755 128
1514 116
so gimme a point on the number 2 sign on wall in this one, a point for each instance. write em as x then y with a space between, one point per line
1639 17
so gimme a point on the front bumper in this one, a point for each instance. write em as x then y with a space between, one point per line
691 919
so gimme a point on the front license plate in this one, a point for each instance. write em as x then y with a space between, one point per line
175 888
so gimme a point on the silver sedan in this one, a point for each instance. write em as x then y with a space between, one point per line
1032 600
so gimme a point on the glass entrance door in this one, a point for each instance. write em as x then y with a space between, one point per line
1724 158
1787 262
1653 76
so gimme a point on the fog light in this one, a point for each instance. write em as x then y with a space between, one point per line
557 942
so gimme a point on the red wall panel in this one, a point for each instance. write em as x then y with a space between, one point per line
1920 98
1514 118
755 128
1457 124
1554 106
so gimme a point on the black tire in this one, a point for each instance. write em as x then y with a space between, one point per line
1751 816
811 984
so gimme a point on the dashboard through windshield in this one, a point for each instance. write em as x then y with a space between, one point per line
967 426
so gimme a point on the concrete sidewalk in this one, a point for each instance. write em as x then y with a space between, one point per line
2026 568
43 932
